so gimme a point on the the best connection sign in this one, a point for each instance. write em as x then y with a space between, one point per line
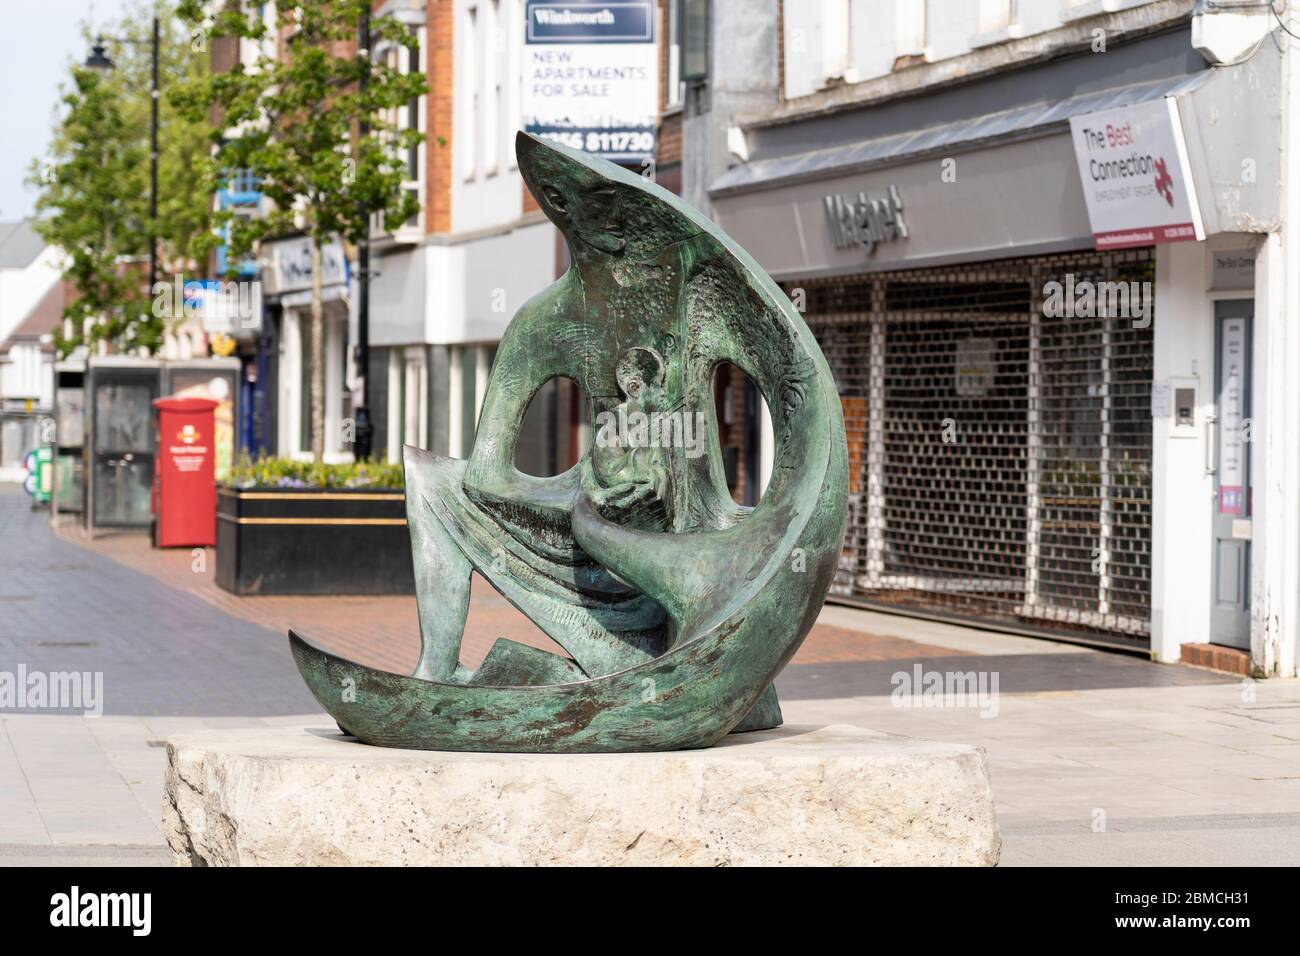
591 77
1136 178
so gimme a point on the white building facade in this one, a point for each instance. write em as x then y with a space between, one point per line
32 296
448 284
1030 450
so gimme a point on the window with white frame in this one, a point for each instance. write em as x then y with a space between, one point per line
836 31
995 15
492 86
910 27
514 13
674 88
406 60
470 84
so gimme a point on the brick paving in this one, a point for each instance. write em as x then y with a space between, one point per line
161 649
384 631
1188 765
170 642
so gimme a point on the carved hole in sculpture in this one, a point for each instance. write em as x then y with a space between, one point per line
490 618
738 408
551 437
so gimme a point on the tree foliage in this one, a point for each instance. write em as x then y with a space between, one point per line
90 207
313 121
94 187
291 120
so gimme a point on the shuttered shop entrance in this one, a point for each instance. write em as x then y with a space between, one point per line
1000 457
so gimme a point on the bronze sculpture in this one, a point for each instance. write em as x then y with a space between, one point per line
677 607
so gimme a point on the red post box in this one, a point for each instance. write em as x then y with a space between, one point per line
185 486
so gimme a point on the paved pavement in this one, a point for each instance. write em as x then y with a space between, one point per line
1096 757
161 650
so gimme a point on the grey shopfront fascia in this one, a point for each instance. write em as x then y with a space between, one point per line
1012 187
986 178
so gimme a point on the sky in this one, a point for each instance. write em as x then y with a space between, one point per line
39 40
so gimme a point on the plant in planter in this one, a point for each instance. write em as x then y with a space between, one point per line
290 473
293 527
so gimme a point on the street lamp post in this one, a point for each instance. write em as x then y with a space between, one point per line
100 62
364 432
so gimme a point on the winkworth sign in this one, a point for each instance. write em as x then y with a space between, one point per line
591 76
1136 178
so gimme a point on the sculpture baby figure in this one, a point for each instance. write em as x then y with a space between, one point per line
631 457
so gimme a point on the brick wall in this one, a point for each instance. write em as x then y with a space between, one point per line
440 62
780 49
669 141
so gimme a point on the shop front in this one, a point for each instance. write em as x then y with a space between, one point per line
287 289
1023 395
1001 454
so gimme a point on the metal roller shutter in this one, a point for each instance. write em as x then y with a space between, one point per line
1000 457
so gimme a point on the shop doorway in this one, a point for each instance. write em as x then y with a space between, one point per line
1230 447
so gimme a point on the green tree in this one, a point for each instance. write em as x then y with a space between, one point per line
294 120
94 187
90 207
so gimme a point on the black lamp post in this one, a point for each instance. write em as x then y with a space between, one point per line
363 435
100 62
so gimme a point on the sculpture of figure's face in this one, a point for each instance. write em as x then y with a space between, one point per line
593 216
597 205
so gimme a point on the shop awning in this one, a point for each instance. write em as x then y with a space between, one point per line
1018 191
1032 120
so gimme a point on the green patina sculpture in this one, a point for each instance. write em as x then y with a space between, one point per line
677 608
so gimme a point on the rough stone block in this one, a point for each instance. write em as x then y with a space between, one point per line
305 796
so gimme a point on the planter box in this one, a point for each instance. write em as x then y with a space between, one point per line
313 541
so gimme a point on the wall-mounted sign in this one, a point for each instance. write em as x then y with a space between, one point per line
1136 178
291 265
976 367
863 221
1232 415
1232 269
591 76
1162 399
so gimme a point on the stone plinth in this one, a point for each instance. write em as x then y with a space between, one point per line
295 796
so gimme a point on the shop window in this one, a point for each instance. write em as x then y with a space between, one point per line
471 78
694 19
492 88
673 93
468 398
